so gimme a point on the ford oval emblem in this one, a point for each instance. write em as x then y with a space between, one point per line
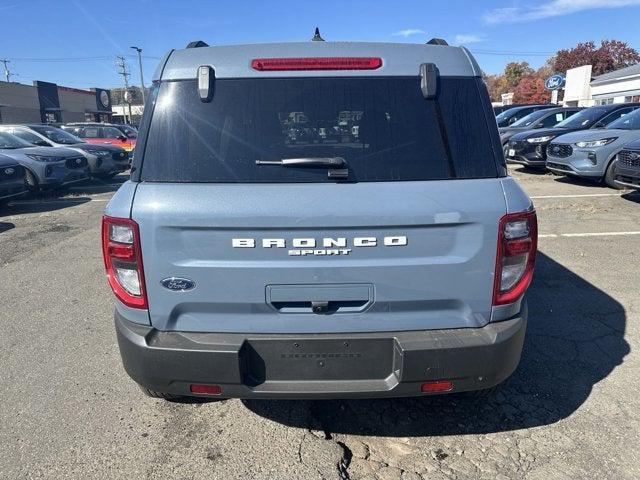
177 284
555 82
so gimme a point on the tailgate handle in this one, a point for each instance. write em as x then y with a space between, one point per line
319 299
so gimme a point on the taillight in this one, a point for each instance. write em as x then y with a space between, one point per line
123 260
316 63
517 245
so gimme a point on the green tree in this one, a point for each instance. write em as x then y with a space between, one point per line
514 71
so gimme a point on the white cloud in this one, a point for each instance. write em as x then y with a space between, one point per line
408 32
551 8
467 38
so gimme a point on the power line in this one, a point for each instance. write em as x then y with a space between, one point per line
511 53
75 59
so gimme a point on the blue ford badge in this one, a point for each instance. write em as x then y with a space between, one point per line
177 284
554 82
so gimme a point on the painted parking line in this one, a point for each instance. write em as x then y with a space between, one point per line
588 234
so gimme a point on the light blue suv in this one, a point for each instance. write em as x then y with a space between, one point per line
319 220
591 153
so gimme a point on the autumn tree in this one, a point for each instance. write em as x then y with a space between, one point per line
497 85
531 89
514 71
609 56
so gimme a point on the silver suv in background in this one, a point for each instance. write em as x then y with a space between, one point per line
591 153
45 167
104 160
319 220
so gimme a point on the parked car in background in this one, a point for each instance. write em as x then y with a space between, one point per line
104 160
497 110
530 148
545 118
512 115
627 166
12 179
590 154
102 133
45 167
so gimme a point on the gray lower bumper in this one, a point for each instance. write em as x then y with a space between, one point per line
385 364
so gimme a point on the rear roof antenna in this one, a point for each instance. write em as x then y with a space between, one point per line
437 41
197 44
317 37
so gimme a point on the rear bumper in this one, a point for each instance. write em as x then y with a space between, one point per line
289 366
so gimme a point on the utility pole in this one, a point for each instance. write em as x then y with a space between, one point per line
139 50
122 65
7 73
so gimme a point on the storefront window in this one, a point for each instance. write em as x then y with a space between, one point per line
633 98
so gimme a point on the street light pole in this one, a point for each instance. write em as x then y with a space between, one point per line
139 50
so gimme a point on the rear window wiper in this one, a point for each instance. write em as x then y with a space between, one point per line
331 162
337 165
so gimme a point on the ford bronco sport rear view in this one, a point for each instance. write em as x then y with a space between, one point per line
319 220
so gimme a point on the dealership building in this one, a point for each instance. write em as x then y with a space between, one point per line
619 86
45 102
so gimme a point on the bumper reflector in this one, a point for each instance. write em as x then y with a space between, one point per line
206 389
438 386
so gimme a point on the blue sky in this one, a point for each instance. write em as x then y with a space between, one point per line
59 40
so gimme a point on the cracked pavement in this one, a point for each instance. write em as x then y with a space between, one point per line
569 411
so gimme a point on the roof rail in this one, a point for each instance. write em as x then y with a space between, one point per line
197 44
437 41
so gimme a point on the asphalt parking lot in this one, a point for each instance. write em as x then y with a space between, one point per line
68 410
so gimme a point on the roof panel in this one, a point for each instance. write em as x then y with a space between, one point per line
399 59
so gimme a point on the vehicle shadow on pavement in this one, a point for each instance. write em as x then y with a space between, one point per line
99 185
575 338
632 196
5 226
41 204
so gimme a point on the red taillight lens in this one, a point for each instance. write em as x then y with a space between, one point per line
316 63
437 386
517 245
123 260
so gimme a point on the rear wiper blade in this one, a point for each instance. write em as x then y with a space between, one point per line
329 162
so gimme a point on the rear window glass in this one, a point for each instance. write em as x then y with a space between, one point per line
382 127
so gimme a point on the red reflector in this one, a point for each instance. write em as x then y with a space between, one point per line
439 386
316 63
517 247
121 251
206 389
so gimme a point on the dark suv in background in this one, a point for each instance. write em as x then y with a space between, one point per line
530 148
545 118
627 166
512 115
501 108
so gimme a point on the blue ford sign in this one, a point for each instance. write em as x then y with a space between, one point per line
554 82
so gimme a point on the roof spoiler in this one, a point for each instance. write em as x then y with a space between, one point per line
437 41
197 44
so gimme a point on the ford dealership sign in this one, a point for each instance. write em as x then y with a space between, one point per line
554 82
